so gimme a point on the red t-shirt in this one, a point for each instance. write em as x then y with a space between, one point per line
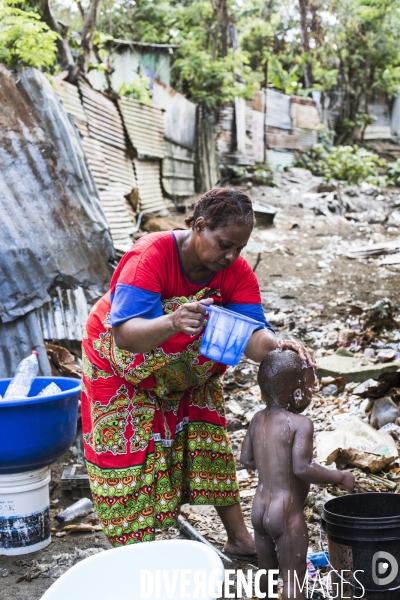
151 272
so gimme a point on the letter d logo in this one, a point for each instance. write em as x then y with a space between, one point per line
379 568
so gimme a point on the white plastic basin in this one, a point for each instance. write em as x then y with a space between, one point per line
125 573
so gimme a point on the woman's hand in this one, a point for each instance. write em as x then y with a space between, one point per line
264 341
299 348
189 318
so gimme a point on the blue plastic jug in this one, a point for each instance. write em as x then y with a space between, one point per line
226 335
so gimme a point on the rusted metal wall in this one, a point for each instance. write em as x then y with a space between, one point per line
149 180
304 113
381 128
109 160
46 237
206 165
64 317
287 124
145 126
69 145
53 232
179 115
178 171
131 58
178 176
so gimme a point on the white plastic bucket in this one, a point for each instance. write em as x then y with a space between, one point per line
24 511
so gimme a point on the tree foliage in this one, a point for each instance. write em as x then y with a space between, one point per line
348 50
24 38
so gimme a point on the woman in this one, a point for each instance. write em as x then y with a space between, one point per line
152 405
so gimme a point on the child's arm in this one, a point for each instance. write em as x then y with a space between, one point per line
311 472
247 455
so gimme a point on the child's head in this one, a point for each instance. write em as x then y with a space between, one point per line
286 380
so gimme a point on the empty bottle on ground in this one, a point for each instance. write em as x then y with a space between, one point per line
79 509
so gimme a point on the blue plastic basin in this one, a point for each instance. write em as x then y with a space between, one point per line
35 432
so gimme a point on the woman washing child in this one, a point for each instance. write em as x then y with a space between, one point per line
152 405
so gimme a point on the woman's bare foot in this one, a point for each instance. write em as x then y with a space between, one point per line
240 541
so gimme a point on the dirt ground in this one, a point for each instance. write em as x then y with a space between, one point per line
301 262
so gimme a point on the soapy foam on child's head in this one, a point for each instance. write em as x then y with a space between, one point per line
286 380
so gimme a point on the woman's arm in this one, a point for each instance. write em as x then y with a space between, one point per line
260 343
141 335
264 341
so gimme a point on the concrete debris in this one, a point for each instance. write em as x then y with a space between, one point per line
355 369
384 411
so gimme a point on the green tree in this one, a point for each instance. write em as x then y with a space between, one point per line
24 38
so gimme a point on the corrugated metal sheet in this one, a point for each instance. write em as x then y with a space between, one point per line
378 132
249 156
240 122
381 128
129 59
46 235
279 160
179 115
258 119
227 149
304 113
69 145
234 141
69 96
283 139
121 220
96 161
226 135
17 339
145 126
149 181
178 178
308 139
258 101
110 164
207 173
301 140
64 317
278 110
395 119
103 118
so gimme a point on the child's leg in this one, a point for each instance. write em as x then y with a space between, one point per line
267 558
292 556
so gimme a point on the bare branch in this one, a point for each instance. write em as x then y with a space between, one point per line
89 29
64 51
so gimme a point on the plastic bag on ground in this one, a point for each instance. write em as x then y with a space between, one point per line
358 444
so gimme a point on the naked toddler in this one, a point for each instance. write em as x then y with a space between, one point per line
279 443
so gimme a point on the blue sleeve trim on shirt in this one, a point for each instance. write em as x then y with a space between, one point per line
130 301
254 311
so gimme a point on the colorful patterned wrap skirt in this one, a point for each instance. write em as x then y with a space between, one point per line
154 430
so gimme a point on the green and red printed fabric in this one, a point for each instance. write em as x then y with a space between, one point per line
154 424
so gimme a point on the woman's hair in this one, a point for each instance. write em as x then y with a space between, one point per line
222 207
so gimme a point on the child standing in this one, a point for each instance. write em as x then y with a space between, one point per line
279 443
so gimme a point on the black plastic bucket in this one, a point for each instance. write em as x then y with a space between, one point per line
364 544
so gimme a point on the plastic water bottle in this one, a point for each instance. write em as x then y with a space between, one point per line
50 390
21 383
79 509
